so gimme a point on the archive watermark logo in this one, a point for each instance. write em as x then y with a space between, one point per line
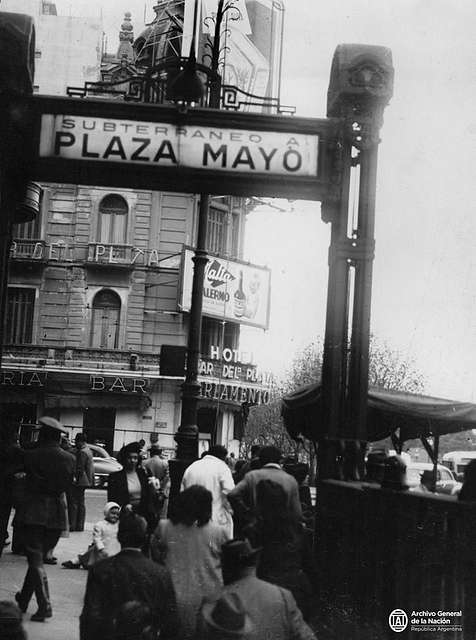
426 620
398 620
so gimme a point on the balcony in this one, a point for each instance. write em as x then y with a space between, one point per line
28 250
116 256
79 359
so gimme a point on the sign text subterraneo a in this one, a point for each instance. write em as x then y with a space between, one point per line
167 145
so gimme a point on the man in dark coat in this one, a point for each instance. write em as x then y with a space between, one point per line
125 577
243 497
272 610
83 478
42 514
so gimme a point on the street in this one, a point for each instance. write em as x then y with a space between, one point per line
66 586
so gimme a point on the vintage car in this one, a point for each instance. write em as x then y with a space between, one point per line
104 464
445 479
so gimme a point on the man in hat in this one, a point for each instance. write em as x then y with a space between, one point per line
42 514
272 610
83 478
128 576
243 498
158 467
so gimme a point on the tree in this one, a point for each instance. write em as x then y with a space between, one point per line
265 426
387 369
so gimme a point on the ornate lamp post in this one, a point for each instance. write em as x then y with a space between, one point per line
187 89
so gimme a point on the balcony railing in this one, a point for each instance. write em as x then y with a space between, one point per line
80 358
111 255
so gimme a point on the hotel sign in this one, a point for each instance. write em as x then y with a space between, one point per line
226 392
162 144
200 151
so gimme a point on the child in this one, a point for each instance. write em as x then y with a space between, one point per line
104 542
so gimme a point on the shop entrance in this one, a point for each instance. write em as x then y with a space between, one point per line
207 421
13 414
98 426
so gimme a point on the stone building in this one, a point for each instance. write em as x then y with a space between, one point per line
99 294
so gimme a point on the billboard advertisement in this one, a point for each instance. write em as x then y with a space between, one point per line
232 290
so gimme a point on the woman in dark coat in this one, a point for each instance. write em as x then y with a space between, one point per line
131 487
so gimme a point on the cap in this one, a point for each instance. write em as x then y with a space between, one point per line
51 423
110 505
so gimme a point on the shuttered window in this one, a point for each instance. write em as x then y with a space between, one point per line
105 320
216 236
223 231
19 317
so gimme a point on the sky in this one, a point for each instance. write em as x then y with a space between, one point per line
424 283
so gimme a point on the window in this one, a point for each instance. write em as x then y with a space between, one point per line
112 227
216 237
49 8
235 234
105 320
19 318
216 333
223 234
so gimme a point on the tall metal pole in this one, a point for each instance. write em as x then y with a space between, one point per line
360 87
187 434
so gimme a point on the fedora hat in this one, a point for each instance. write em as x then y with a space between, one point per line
238 551
227 617
51 423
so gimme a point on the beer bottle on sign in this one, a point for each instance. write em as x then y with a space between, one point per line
240 298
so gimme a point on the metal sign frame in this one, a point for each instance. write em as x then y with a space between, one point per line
180 179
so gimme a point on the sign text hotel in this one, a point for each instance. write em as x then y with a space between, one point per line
166 145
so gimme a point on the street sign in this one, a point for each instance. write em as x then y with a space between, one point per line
168 145
99 142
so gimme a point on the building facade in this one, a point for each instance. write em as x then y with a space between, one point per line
98 301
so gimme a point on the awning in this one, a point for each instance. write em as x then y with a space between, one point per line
416 415
20 397
88 400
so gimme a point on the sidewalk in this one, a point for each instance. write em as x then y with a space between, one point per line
66 588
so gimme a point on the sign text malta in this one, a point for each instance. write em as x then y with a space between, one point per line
166 145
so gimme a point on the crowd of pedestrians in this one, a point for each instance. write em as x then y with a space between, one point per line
231 559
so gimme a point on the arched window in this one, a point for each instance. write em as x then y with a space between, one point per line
113 212
105 320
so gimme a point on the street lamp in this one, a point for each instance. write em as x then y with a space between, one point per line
187 88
